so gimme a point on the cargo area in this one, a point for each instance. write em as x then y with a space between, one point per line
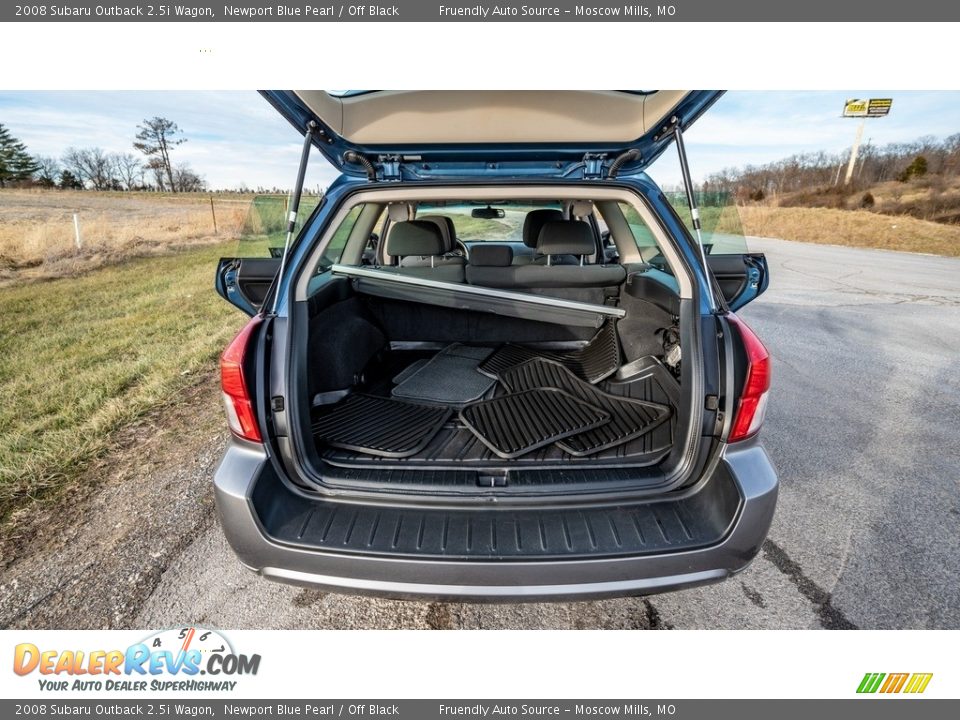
409 396
464 347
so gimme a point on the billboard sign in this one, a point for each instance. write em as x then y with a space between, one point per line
874 107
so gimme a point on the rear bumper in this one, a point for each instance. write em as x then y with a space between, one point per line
287 536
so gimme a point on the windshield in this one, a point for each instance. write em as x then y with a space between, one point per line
481 222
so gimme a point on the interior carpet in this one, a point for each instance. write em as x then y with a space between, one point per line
380 426
513 425
629 418
595 361
450 377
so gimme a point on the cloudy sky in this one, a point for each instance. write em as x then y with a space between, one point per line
236 138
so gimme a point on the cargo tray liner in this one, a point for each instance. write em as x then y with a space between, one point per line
456 452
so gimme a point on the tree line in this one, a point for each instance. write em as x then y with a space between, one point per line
901 162
93 168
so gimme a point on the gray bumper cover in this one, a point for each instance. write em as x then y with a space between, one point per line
746 464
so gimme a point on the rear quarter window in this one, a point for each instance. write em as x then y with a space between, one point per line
644 237
334 250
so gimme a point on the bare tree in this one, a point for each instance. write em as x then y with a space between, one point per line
72 164
817 173
159 174
48 170
92 166
157 137
129 170
186 180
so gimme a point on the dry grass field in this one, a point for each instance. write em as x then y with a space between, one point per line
118 328
857 228
37 239
922 215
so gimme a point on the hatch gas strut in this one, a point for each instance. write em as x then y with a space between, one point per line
694 211
308 137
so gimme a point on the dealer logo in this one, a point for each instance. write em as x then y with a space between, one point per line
180 654
911 683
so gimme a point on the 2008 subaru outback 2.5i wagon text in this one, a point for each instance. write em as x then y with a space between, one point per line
497 361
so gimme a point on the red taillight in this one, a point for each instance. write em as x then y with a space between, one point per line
753 401
236 393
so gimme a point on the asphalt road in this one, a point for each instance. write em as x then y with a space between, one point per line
862 426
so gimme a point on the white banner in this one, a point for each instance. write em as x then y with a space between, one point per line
505 664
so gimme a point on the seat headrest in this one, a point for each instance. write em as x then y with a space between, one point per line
566 237
414 237
491 255
447 229
399 212
533 223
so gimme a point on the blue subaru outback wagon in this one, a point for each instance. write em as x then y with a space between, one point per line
497 361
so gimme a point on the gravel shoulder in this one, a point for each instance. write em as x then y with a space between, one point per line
92 558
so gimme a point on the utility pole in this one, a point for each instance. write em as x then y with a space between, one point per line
853 152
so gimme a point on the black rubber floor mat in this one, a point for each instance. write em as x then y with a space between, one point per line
513 425
628 418
450 377
409 370
595 361
380 426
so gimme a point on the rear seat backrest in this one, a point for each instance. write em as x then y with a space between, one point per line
488 264
567 238
423 240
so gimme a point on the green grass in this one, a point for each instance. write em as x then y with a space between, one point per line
268 213
81 357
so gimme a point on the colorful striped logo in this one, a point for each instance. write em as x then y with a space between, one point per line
894 683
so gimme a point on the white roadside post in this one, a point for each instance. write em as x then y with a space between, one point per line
76 230
872 108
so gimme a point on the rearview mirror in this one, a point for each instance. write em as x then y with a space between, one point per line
487 213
